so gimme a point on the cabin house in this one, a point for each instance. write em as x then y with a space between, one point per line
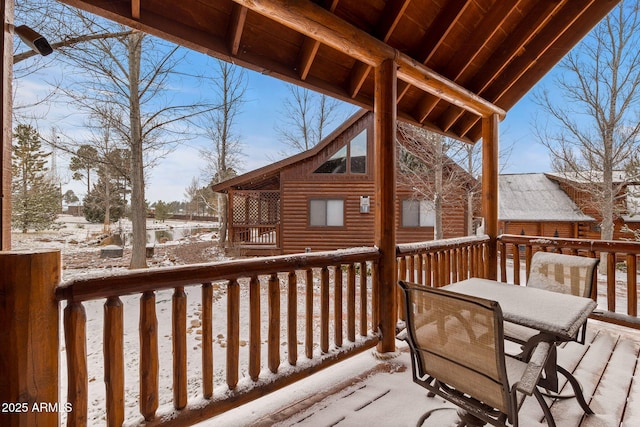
322 199
560 205
535 205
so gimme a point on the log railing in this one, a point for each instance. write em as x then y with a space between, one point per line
438 263
253 290
616 293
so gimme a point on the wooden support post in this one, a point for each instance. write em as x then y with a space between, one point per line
490 191
5 112
29 337
385 198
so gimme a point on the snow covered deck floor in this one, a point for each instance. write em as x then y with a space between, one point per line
365 391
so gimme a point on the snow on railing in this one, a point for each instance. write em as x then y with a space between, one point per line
236 303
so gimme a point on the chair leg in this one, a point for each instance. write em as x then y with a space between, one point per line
545 409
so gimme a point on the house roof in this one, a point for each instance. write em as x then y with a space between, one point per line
254 178
258 178
502 48
534 197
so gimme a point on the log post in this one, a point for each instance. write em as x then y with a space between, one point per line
5 107
29 337
385 182
490 191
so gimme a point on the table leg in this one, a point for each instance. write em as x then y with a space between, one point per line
576 389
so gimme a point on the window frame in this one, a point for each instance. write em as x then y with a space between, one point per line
426 212
326 201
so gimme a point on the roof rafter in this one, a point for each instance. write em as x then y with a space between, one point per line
316 22
391 15
310 47
236 26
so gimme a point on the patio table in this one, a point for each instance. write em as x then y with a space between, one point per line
558 317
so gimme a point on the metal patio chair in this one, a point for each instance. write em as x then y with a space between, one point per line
567 274
457 352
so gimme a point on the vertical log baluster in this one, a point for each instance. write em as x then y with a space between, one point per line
516 264
374 296
273 347
308 322
233 332
207 340
179 342
363 299
337 305
149 366
420 271
611 281
292 317
75 321
351 302
446 279
502 253
411 267
632 280
254 328
114 360
435 263
324 309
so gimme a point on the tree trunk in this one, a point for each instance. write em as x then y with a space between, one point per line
138 209
437 229
223 203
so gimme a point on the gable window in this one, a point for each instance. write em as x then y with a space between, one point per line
326 212
351 158
418 213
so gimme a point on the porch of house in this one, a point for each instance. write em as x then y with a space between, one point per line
268 326
365 390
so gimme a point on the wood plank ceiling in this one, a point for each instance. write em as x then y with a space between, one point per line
496 49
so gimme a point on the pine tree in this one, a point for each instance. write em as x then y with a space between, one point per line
35 199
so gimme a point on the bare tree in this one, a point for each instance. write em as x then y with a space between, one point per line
306 115
596 122
65 28
425 166
223 157
130 74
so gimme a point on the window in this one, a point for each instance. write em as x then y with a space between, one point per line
326 212
352 158
418 213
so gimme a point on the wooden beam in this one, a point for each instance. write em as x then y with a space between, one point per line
490 191
384 132
135 9
236 26
310 47
313 21
5 112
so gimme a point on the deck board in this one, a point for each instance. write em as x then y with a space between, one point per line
607 367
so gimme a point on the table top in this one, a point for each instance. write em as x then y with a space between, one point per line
560 315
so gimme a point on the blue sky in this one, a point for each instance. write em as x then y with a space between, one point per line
256 126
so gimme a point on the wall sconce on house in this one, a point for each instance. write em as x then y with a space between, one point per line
34 40
365 204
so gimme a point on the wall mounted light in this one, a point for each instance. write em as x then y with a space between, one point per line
34 40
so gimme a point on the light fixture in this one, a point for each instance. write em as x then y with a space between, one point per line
34 40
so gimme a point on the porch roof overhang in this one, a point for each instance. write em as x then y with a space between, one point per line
458 60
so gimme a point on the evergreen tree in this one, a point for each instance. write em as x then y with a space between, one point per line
35 199
104 194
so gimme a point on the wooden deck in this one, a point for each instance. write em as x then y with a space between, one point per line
367 391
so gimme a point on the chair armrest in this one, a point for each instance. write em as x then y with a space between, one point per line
535 366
